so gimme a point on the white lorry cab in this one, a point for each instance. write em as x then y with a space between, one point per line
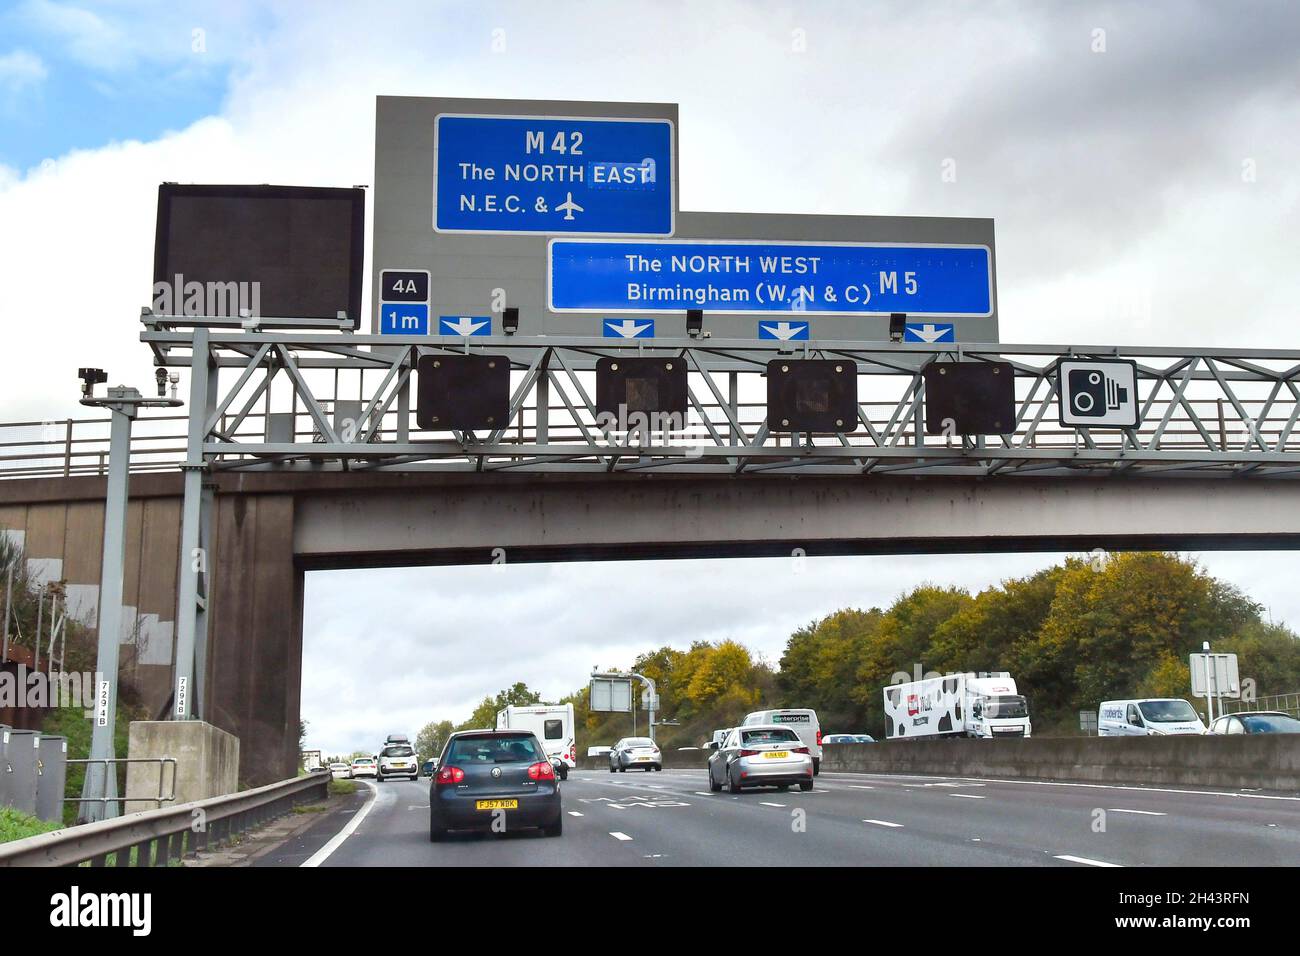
553 726
802 721
1149 717
956 705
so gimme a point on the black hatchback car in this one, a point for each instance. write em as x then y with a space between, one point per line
486 776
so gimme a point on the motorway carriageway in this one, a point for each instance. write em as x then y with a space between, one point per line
671 818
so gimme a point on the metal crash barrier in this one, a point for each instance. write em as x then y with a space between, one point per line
160 837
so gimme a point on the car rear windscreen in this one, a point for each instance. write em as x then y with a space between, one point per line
468 750
779 735
398 752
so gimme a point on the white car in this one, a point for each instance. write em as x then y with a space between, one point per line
364 767
756 755
802 721
340 771
640 752
398 760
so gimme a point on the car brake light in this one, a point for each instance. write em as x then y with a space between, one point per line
541 771
450 775
800 750
819 738
749 753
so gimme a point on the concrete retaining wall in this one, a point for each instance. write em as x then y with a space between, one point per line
1268 762
207 761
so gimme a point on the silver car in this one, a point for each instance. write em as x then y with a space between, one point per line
635 752
761 755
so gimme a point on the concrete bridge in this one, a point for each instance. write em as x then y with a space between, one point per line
269 528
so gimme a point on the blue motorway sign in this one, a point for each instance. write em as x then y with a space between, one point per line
533 174
628 328
929 332
784 330
404 318
465 325
789 278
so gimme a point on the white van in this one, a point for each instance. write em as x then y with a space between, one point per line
1150 717
553 726
802 722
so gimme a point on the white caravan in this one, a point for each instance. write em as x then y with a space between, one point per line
956 705
553 725
1150 717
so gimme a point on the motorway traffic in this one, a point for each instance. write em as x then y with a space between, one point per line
672 818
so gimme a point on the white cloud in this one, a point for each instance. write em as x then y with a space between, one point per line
1122 216
116 37
391 650
89 38
21 70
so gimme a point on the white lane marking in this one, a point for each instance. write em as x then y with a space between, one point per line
574 813
764 804
884 823
323 854
859 786
968 796
1145 813
1087 862
704 793
1097 786
619 836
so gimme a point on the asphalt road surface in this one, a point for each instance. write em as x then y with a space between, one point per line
670 818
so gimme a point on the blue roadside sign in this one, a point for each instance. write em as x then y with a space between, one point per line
786 278
532 174
403 318
929 332
784 330
464 325
628 328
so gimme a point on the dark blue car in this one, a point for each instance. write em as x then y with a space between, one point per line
497 780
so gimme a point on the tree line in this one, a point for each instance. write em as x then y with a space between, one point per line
1089 629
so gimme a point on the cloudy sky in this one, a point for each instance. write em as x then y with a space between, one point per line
1140 160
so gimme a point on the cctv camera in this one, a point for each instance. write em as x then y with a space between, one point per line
90 377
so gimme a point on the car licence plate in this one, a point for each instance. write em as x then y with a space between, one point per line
496 804
642 758
777 753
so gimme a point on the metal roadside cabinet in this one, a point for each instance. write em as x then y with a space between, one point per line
18 767
51 777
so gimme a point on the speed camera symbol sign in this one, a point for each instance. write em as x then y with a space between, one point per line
1097 394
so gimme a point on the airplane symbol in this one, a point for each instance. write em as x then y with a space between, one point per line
569 207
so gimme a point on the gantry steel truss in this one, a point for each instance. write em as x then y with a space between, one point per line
343 402
1223 412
